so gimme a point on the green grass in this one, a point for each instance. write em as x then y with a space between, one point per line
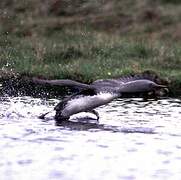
88 55
88 40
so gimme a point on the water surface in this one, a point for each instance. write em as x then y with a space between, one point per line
133 140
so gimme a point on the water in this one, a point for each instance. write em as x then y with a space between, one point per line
134 140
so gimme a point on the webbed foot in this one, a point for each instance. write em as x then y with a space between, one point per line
95 113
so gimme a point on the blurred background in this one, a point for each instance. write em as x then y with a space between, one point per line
158 18
86 40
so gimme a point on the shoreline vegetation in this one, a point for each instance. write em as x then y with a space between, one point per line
86 41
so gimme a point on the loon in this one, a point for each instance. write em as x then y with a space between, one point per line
100 92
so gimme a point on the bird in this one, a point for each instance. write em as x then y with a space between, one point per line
98 93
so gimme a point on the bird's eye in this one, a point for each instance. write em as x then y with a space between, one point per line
150 85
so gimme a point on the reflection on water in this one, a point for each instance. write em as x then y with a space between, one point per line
134 140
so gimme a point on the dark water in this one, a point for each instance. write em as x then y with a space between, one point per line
134 140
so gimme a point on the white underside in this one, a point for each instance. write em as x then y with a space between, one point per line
87 103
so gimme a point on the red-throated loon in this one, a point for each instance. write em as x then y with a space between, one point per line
100 92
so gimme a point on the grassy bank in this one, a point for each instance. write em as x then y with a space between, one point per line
88 55
88 41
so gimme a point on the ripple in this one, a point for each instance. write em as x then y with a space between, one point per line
135 139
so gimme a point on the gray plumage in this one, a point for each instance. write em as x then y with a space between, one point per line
99 93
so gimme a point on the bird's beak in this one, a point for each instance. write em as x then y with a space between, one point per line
162 89
159 86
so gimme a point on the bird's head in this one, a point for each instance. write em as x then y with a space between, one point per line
153 86
142 85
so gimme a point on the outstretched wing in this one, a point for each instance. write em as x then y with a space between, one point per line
63 103
102 85
63 82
